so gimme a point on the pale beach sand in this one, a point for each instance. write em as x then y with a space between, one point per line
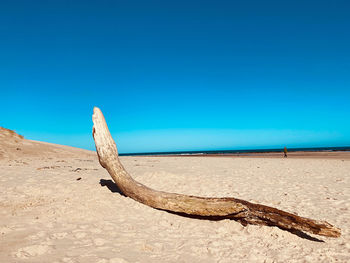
48 215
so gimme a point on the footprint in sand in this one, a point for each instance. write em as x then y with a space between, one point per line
32 251
99 241
59 235
80 235
38 235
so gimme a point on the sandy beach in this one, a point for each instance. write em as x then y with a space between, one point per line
57 204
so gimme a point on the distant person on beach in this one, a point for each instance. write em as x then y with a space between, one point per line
285 152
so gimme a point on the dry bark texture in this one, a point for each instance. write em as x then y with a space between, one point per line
211 208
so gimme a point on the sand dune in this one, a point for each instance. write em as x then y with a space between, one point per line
57 204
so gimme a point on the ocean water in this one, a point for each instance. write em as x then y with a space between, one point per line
222 152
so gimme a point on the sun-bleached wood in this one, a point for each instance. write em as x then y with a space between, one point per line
201 207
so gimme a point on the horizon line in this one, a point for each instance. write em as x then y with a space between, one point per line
257 150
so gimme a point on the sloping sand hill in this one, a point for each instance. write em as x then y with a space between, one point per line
57 204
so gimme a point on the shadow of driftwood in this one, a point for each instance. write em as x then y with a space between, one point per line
305 236
299 233
115 189
111 186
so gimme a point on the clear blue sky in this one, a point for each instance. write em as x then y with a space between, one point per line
177 75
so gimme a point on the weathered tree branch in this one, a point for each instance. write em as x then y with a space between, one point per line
241 210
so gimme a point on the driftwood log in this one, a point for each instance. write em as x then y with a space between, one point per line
232 208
